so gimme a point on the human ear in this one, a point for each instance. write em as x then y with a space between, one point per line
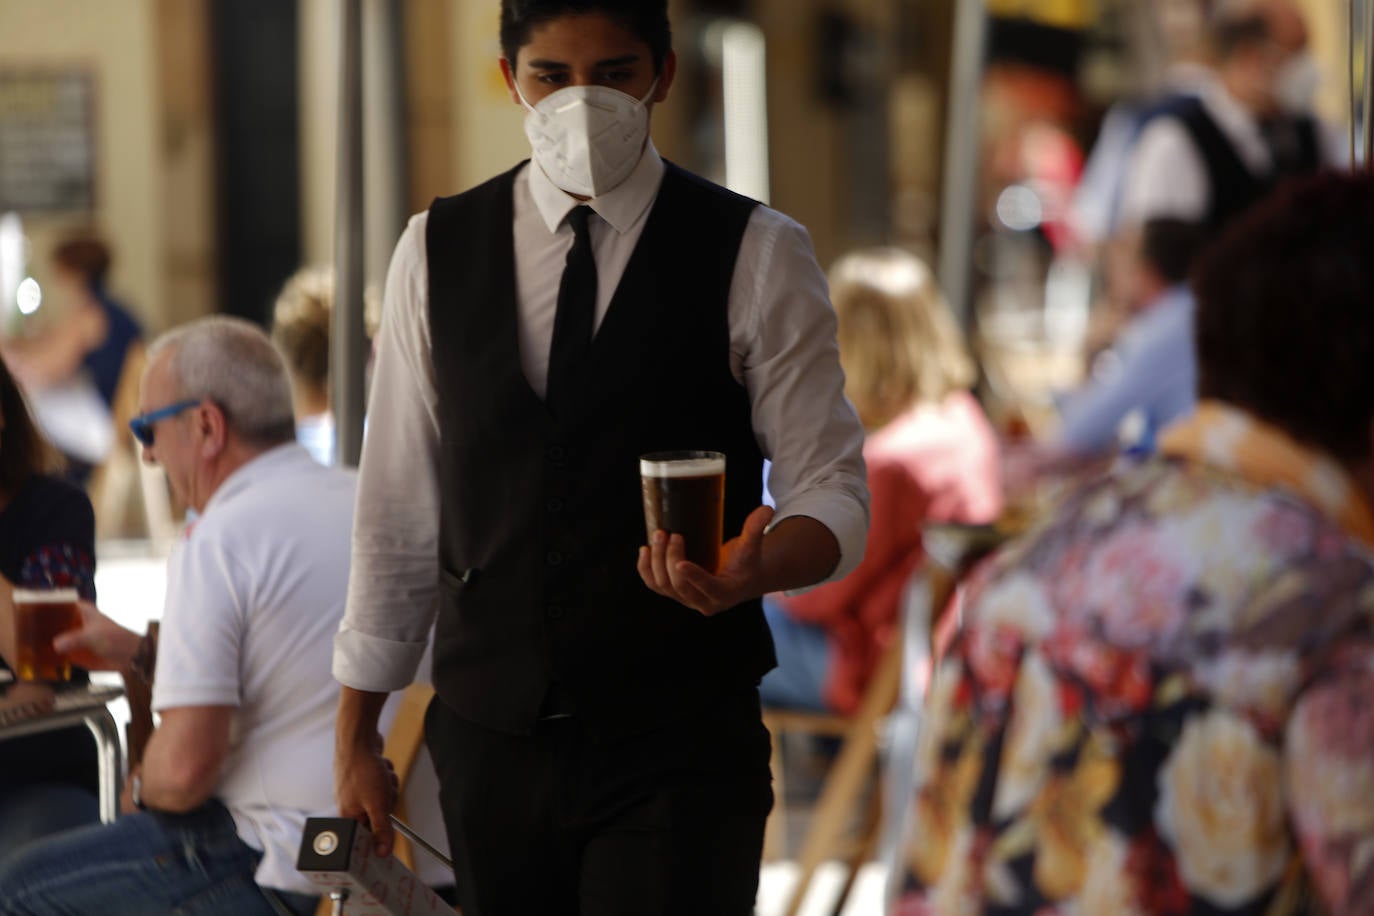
213 427
508 71
665 77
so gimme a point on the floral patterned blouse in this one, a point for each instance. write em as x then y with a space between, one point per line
1161 701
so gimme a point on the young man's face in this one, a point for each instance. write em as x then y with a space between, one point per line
586 49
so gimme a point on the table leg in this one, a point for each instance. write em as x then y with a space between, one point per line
108 750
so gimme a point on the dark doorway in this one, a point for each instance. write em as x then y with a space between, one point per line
255 46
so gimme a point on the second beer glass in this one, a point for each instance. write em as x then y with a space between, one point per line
39 615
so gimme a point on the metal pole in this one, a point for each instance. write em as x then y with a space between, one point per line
1368 145
346 350
958 206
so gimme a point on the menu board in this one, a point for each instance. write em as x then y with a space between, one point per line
47 140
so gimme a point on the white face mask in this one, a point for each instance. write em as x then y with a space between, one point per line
588 139
1295 87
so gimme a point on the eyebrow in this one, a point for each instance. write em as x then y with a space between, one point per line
541 64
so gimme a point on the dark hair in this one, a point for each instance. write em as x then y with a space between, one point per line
1170 246
85 255
647 19
1285 319
23 450
1235 33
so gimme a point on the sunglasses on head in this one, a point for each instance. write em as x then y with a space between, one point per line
142 425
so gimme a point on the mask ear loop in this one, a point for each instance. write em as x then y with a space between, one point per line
520 95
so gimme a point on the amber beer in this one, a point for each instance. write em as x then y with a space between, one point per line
39 615
684 493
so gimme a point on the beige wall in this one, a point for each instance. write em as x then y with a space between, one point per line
114 39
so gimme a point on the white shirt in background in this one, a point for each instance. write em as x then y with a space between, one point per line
255 591
1167 176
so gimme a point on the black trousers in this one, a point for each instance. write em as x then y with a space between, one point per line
566 822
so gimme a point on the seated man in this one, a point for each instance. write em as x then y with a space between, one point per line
1162 699
1150 372
255 592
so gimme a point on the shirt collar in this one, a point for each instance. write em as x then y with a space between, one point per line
622 206
256 468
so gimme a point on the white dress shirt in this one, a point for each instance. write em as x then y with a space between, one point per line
782 350
1167 176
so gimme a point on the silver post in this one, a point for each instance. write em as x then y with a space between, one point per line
1369 84
337 897
418 840
346 349
959 204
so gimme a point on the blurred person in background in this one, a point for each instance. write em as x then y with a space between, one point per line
47 540
930 453
1213 152
1162 697
1182 30
301 331
82 349
1150 373
255 589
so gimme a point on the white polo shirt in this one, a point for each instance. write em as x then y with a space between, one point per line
255 591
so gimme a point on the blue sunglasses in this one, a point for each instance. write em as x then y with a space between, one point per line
142 425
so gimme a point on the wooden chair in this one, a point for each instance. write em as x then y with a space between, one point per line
402 747
845 782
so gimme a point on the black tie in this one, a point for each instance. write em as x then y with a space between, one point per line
572 324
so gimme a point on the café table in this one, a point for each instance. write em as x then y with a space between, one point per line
32 708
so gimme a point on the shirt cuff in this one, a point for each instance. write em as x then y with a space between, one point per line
845 516
372 664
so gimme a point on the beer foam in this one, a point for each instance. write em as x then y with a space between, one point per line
45 595
682 467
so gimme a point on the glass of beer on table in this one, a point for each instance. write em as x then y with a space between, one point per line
39 615
684 493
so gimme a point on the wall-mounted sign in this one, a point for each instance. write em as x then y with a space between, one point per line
47 140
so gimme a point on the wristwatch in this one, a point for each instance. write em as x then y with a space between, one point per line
136 791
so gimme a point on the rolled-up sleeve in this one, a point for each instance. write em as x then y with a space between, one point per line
393 581
784 350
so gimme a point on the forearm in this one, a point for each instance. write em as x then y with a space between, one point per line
356 724
184 758
798 551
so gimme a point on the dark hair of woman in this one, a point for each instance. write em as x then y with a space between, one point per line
1285 313
23 449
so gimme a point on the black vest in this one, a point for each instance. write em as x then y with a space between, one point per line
541 517
1234 188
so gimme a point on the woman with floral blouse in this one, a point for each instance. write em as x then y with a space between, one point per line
1162 698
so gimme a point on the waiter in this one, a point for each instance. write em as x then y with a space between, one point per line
597 730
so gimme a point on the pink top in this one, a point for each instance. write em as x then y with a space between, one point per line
932 463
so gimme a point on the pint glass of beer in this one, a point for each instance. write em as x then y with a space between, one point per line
39 615
684 493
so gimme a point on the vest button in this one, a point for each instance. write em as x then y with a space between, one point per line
553 558
556 453
554 611
554 505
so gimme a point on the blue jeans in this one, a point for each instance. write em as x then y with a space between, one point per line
143 864
803 651
30 812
